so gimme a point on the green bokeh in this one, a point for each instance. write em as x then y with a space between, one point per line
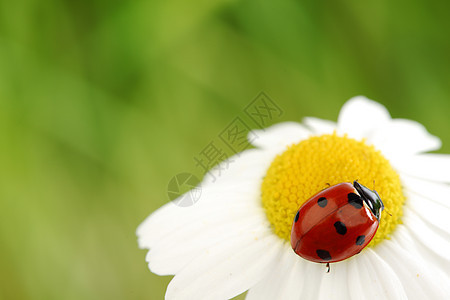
103 102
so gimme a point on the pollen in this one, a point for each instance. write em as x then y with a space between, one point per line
319 162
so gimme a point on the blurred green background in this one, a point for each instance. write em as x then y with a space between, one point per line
102 102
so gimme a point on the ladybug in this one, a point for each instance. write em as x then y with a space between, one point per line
336 223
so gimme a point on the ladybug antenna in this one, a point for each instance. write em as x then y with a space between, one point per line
328 266
374 184
387 212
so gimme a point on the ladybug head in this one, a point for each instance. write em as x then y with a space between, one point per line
371 198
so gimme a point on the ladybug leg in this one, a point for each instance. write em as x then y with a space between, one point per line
328 185
328 266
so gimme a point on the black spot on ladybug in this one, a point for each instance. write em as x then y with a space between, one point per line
340 227
322 201
355 200
360 240
323 254
296 216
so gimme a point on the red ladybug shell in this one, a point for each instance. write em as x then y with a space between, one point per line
336 223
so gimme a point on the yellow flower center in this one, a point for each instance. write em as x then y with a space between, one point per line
314 164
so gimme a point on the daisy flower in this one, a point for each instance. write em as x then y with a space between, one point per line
236 238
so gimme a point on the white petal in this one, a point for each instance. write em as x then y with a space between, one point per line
420 280
238 186
197 227
434 213
279 135
423 242
249 165
171 218
227 269
370 277
301 281
334 285
313 275
319 126
285 281
148 231
359 117
173 253
433 167
434 191
400 137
